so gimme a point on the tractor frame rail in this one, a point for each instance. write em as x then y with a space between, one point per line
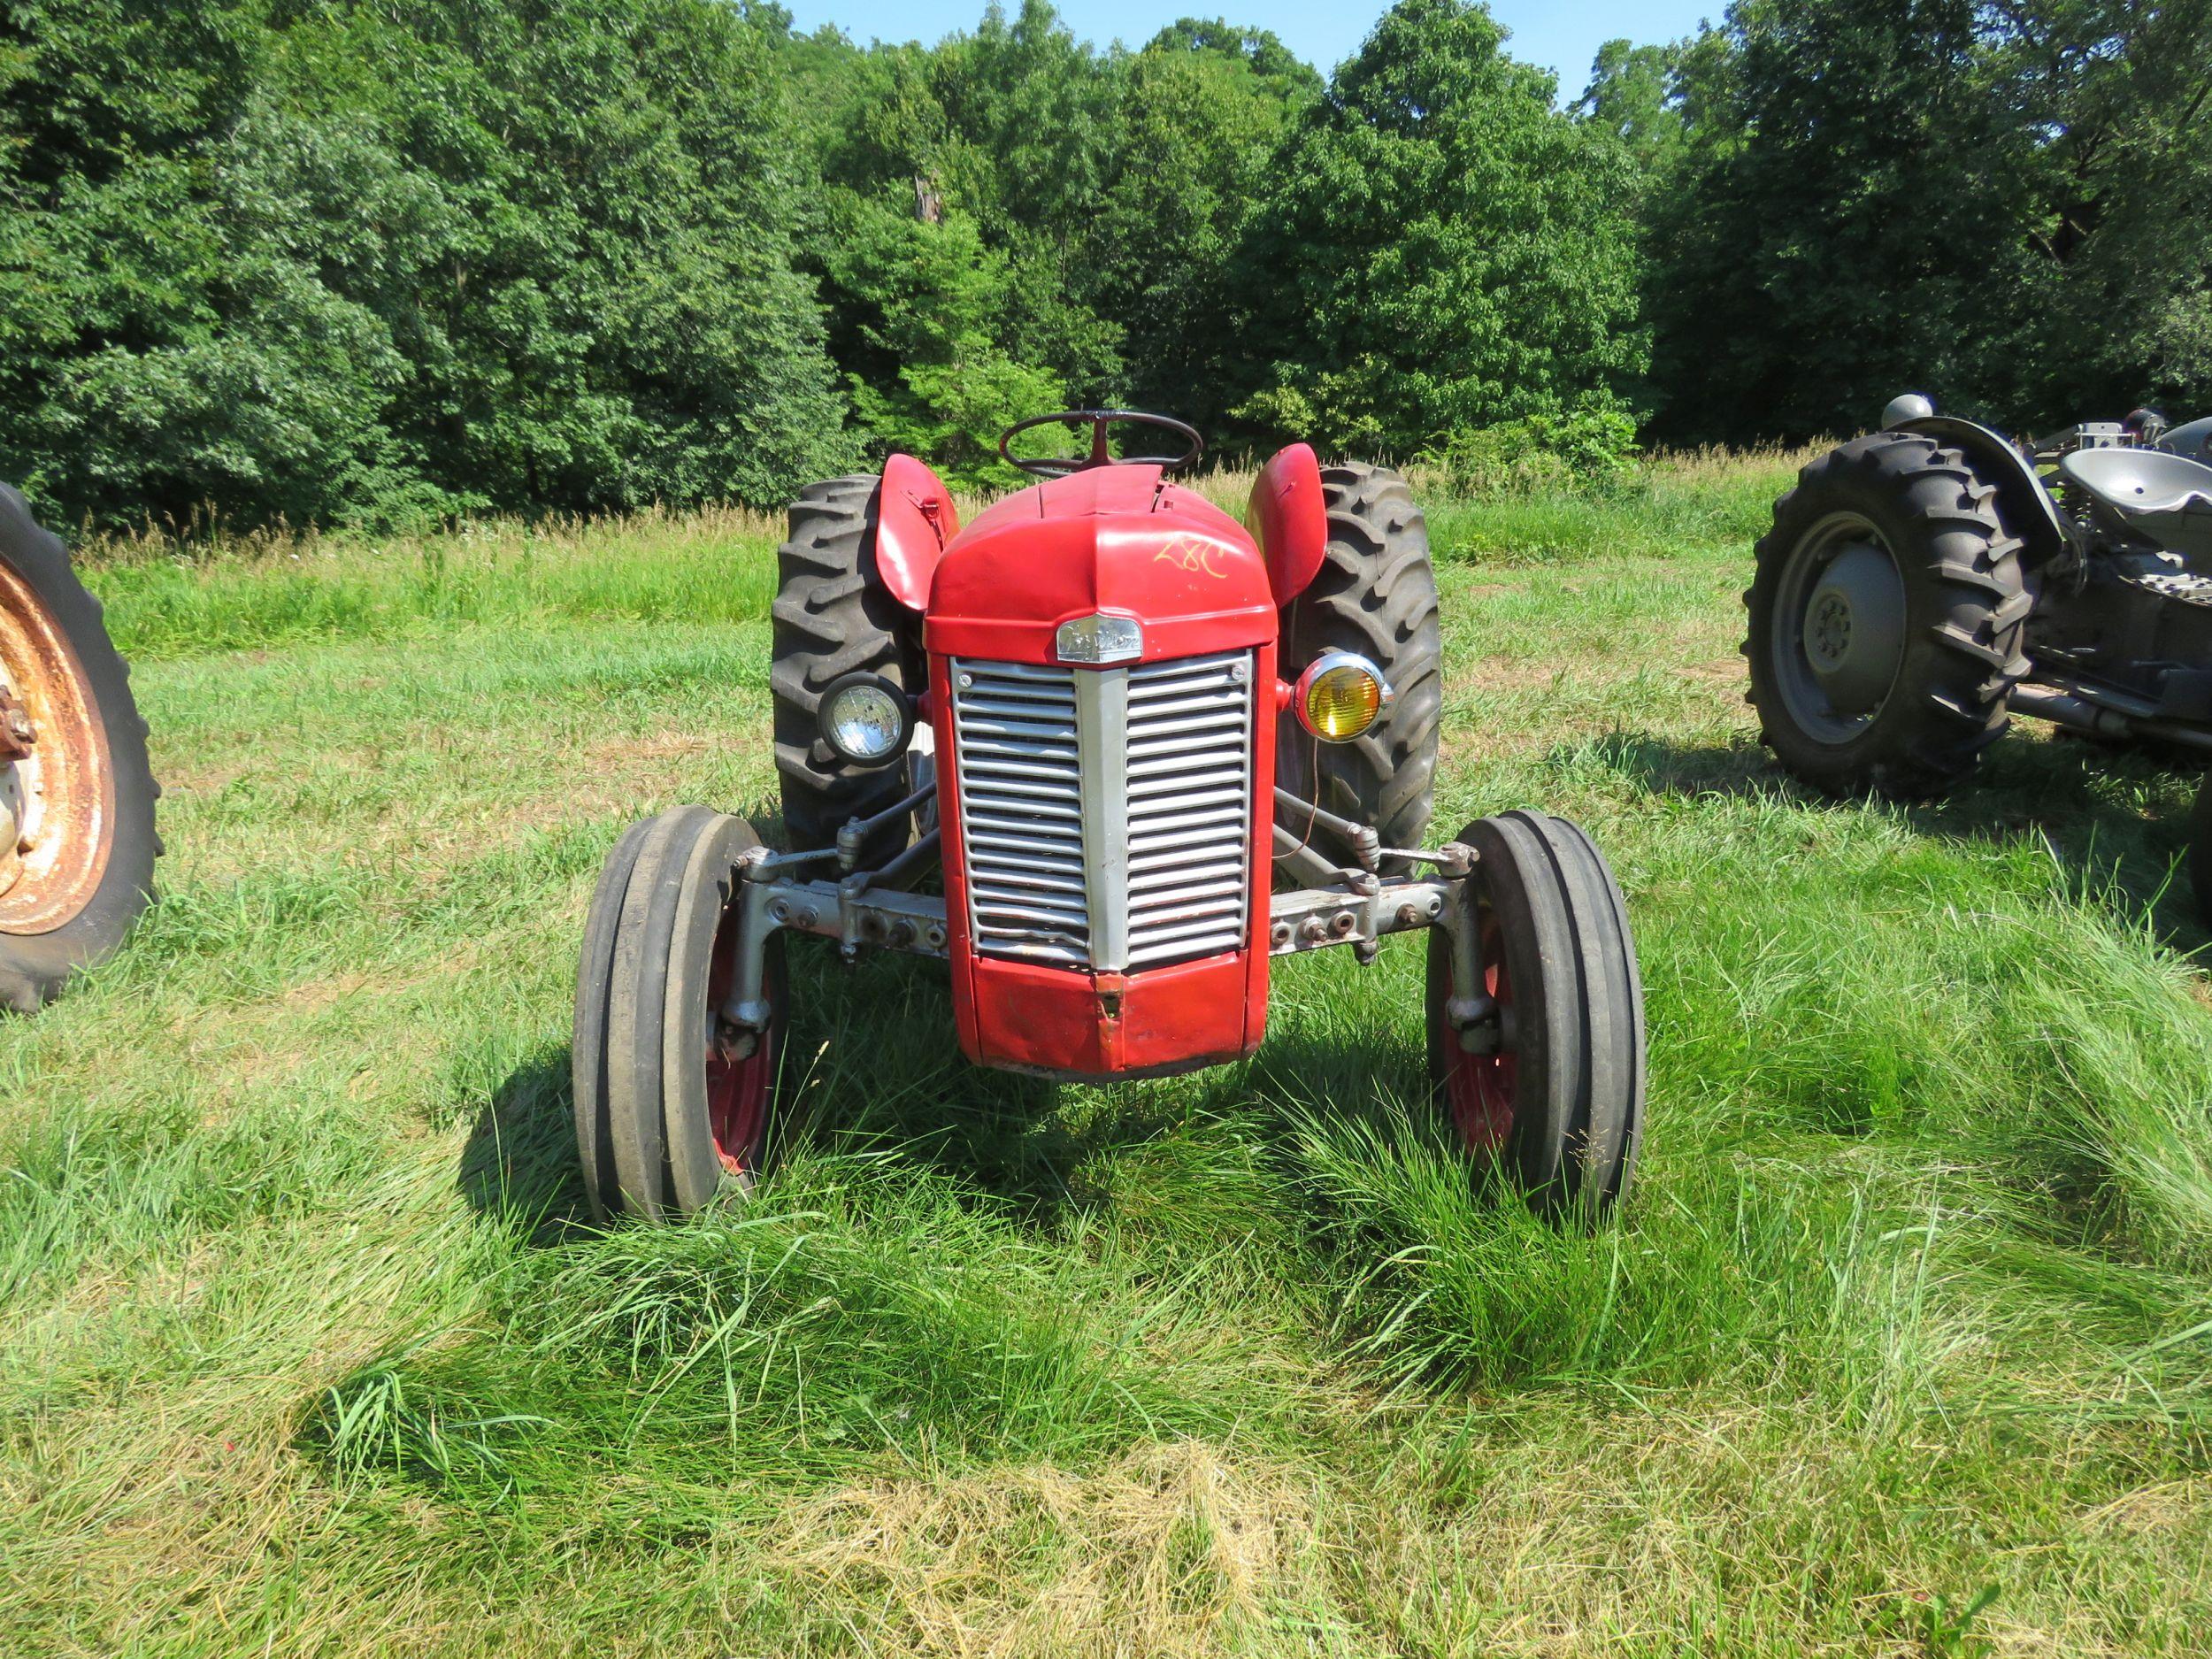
863 908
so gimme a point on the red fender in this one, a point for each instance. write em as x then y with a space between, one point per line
914 519
1290 520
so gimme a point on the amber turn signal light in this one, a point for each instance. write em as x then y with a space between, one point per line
1339 696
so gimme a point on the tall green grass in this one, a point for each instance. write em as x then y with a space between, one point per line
1902 1344
704 566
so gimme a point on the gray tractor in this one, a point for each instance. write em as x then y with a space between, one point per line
1924 582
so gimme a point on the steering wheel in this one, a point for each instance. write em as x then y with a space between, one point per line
1061 466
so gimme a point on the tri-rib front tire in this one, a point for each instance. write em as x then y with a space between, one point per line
1557 1104
671 1109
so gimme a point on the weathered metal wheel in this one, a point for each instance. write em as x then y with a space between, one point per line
671 1108
1550 1093
77 841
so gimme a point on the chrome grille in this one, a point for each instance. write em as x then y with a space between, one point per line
1190 806
1021 816
1147 770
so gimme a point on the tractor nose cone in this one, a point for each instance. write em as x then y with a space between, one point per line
1855 628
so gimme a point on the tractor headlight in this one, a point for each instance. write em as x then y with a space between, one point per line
1099 639
1341 695
864 718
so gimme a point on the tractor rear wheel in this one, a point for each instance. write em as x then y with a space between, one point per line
1551 1094
1375 594
832 616
672 1108
1887 616
77 841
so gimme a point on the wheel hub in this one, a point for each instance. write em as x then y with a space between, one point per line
56 791
1855 628
17 733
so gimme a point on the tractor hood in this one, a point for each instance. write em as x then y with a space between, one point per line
1119 540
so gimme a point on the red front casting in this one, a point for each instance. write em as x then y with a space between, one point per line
1121 541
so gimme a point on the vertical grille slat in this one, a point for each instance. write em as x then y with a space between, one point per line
1020 787
1152 867
1197 713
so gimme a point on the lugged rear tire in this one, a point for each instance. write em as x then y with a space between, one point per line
77 802
1375 594
832 616
1964 609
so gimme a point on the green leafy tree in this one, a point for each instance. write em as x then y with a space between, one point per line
1443 250
344 260
954 182
1632 96
2117 96
927 297
1846 222
1204 109
2009 207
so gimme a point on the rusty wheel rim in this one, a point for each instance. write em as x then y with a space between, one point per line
1480 1089
57 784
740 1086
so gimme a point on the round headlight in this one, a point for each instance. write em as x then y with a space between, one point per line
864 718
1341 695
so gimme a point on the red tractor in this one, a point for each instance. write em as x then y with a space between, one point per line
1107 754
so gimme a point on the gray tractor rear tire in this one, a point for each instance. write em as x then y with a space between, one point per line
1375 594
832 616
1964 607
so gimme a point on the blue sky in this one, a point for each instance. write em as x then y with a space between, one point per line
1562 37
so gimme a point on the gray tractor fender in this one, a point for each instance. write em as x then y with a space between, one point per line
2192 438
2023 504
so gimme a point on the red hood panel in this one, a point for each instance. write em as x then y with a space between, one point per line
1116 539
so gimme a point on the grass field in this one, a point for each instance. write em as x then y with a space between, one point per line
1904 1345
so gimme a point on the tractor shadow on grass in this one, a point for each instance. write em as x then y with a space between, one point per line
2069 794
519 1162
871 1068
877 1069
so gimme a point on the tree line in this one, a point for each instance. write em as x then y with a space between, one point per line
390 260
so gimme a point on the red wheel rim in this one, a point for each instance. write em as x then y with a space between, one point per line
1479 1088
738 1086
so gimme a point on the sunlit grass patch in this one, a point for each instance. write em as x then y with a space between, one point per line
312 1345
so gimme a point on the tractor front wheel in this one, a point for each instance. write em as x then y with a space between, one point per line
672 1105
1550 1091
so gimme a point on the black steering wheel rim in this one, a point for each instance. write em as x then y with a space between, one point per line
1061 465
